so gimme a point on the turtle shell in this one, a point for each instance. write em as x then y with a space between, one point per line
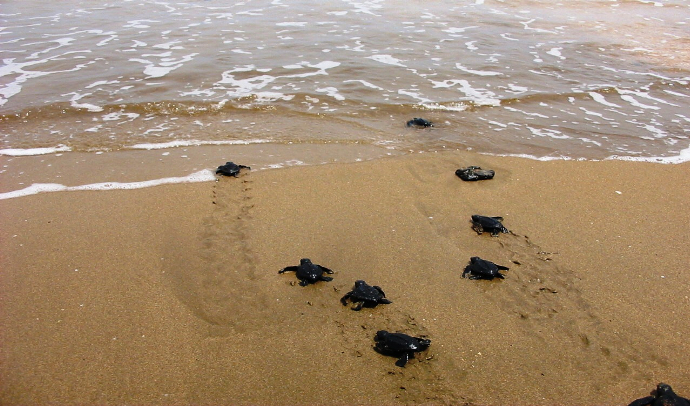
489 224
419 122
482 269
230 169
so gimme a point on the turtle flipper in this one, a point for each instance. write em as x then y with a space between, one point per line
647 401
384 301
324 269
343 299
326 278
303 283
403 360
289 269
358 307
380 290
502 268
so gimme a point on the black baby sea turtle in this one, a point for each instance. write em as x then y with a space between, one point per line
482 269
472 173
419 122
664 396
365 296
309 273
489 224
230 169
399 345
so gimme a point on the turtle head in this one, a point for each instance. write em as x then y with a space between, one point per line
359 283
305 261
663 389
381 335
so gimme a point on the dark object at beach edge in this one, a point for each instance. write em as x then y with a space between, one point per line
474 173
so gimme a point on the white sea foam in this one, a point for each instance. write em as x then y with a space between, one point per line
415 95
292 24
602 100
636 103
555 52
365 83
34 151
331 91
534 157
387 59
195 143
446 107
90 107
525 113
165 66
548 132
477 72
683 156
478 96
456 30
201 176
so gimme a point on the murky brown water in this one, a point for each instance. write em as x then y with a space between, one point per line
583 79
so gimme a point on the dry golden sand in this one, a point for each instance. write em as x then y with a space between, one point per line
170 295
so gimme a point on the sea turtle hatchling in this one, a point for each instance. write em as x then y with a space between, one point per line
474 173
664 396
489 224
230 169
365 296
482 269
419 122
307 272
399 345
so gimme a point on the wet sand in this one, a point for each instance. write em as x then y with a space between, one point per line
171 295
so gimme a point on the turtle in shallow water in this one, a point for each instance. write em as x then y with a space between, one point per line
489 224
230 169
419 122
307 272
399 345
365 296
482 269
664 396
473 173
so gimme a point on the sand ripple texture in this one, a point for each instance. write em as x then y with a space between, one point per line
492 341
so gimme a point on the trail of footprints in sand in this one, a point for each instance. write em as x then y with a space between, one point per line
542 289
423 379
227 281
538 289
228 277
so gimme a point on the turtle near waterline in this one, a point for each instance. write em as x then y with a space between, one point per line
230 169
474 173
419 122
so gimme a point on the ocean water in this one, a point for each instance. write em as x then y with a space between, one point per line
580 79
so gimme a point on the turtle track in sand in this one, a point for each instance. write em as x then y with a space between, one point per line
220 282
422 380
545 295
538 290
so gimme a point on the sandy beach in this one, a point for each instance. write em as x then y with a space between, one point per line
171 295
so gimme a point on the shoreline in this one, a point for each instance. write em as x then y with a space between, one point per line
49 170
170 294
